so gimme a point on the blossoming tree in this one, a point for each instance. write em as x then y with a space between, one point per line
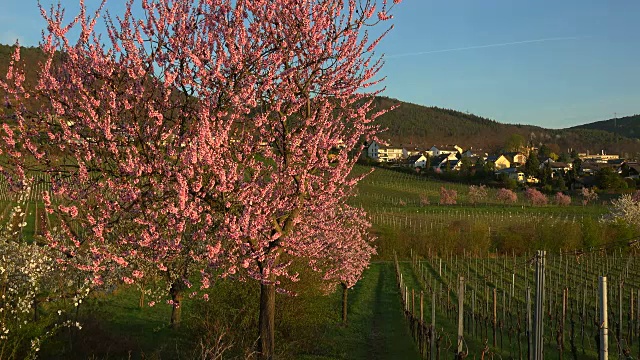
626 208
562 199
477 193
448 196
535 197
205 136
29 278
506 196
345 260
588 195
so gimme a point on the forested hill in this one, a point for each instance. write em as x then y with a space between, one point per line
628 126
31 56
416 125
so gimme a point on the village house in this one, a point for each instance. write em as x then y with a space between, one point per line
443 161
468 153
382 153
455 165
556 166
634 171
512 173
590 167
437 151
416 161
600 158
629 170
410 151
516 158
391 153
500 161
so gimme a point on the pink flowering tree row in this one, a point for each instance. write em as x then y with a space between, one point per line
197 139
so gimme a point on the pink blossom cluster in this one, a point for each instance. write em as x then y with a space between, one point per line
562 199
477 193
588 195
448 197
506 196
535 197
190 144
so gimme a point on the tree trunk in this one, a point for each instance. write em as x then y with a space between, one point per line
344 304
176 296
141 297
266 344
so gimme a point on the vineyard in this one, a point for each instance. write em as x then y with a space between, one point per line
498 304
486 248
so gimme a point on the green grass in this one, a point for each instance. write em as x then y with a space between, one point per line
376 326
308 327
384 190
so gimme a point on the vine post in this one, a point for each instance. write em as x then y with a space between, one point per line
604 326
538 325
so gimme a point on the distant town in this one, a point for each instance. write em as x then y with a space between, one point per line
525 165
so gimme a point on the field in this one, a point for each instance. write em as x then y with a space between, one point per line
422 249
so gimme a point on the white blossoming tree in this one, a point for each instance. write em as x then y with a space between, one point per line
627 209
32 290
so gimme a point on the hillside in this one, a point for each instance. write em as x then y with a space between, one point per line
628 126
416 125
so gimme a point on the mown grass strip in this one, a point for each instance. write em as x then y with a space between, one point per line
376 328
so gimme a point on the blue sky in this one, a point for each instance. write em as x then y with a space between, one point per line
568 62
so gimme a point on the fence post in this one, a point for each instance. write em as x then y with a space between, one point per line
460 315
413 301
473 312
529 326
421 307
604 330
433 321
620 318
631 318
406 299
495 317
538 324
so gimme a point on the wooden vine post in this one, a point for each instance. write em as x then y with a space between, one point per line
460 316
538 323
529 327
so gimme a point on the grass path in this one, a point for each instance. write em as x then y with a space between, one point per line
377 328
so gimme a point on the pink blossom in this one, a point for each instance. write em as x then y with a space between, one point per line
506 196
562 199
477 193
448 197
535 197
165 178
588 195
